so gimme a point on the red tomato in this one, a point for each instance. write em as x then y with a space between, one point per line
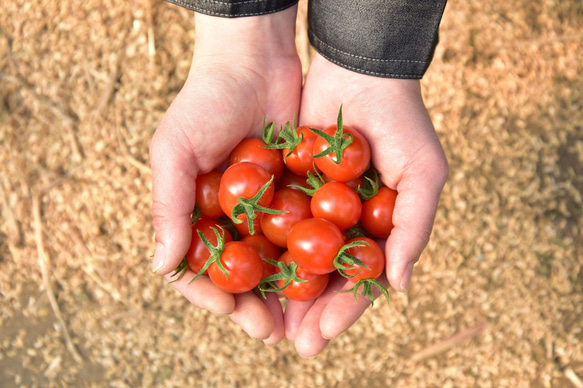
337 202
243 265
244 180
266 250
198 254
355 157
288 180
314 244
251 150
276 227
300 160
207 194
371 255
354 183
377 213
312 288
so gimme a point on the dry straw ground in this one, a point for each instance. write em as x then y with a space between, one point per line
497 300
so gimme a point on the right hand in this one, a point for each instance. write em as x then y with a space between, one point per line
244 71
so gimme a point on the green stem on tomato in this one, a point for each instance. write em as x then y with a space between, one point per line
366 285
337 143
345 262
215 252
287 274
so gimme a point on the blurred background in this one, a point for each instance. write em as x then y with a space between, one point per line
497 298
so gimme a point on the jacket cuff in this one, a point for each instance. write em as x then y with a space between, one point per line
383 38
234 8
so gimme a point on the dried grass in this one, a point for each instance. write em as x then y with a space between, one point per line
498 295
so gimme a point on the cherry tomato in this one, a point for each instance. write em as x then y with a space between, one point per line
288 180
300 160
266 250
244 180
355 157
354 183
243 265
207 194
377 213
276 227
251 150
198 254
312 288
337 202
371 255
314 244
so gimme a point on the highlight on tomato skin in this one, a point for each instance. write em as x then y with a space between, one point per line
243 265
311 288
338 203
198 253
377 213
314 243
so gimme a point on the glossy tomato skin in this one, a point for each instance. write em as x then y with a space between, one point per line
312 288
198 253
338 203
276 227
244 179
372 255
251 150
289 180
300 161
243 265
207 194
355 158
354 183
314 243
266 250
377 213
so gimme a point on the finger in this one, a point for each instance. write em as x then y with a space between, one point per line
273 304
415 207
252 315
308 340
343 310
173 196
294 314
203 293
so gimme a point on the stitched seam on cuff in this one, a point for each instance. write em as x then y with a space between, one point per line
363 57
195 8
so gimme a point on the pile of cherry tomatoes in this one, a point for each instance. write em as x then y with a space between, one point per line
289 212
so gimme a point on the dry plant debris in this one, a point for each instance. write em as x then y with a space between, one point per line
497 299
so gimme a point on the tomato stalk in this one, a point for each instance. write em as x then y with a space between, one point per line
287 274
338 143
371 186
344 261
367 285
180 270
250 207
215 251
267 133
288 138
315 181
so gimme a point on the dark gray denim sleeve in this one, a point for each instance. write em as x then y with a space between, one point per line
384 38
235 8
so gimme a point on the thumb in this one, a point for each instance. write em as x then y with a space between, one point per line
173 195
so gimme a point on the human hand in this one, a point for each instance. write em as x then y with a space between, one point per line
391 114
244 71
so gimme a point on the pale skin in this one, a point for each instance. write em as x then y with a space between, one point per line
245 70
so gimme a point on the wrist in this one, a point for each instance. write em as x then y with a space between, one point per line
265 35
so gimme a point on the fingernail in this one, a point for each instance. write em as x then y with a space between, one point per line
159 258
307 357
406 278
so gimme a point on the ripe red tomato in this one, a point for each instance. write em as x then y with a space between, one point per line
300 160
377 213
338 203
312 288
371 255
266 250
207 194
243 265
198 254
314 243
355 157
276 227
288 180
251 150
244 180
354 183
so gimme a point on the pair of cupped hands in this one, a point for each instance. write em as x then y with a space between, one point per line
245 71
